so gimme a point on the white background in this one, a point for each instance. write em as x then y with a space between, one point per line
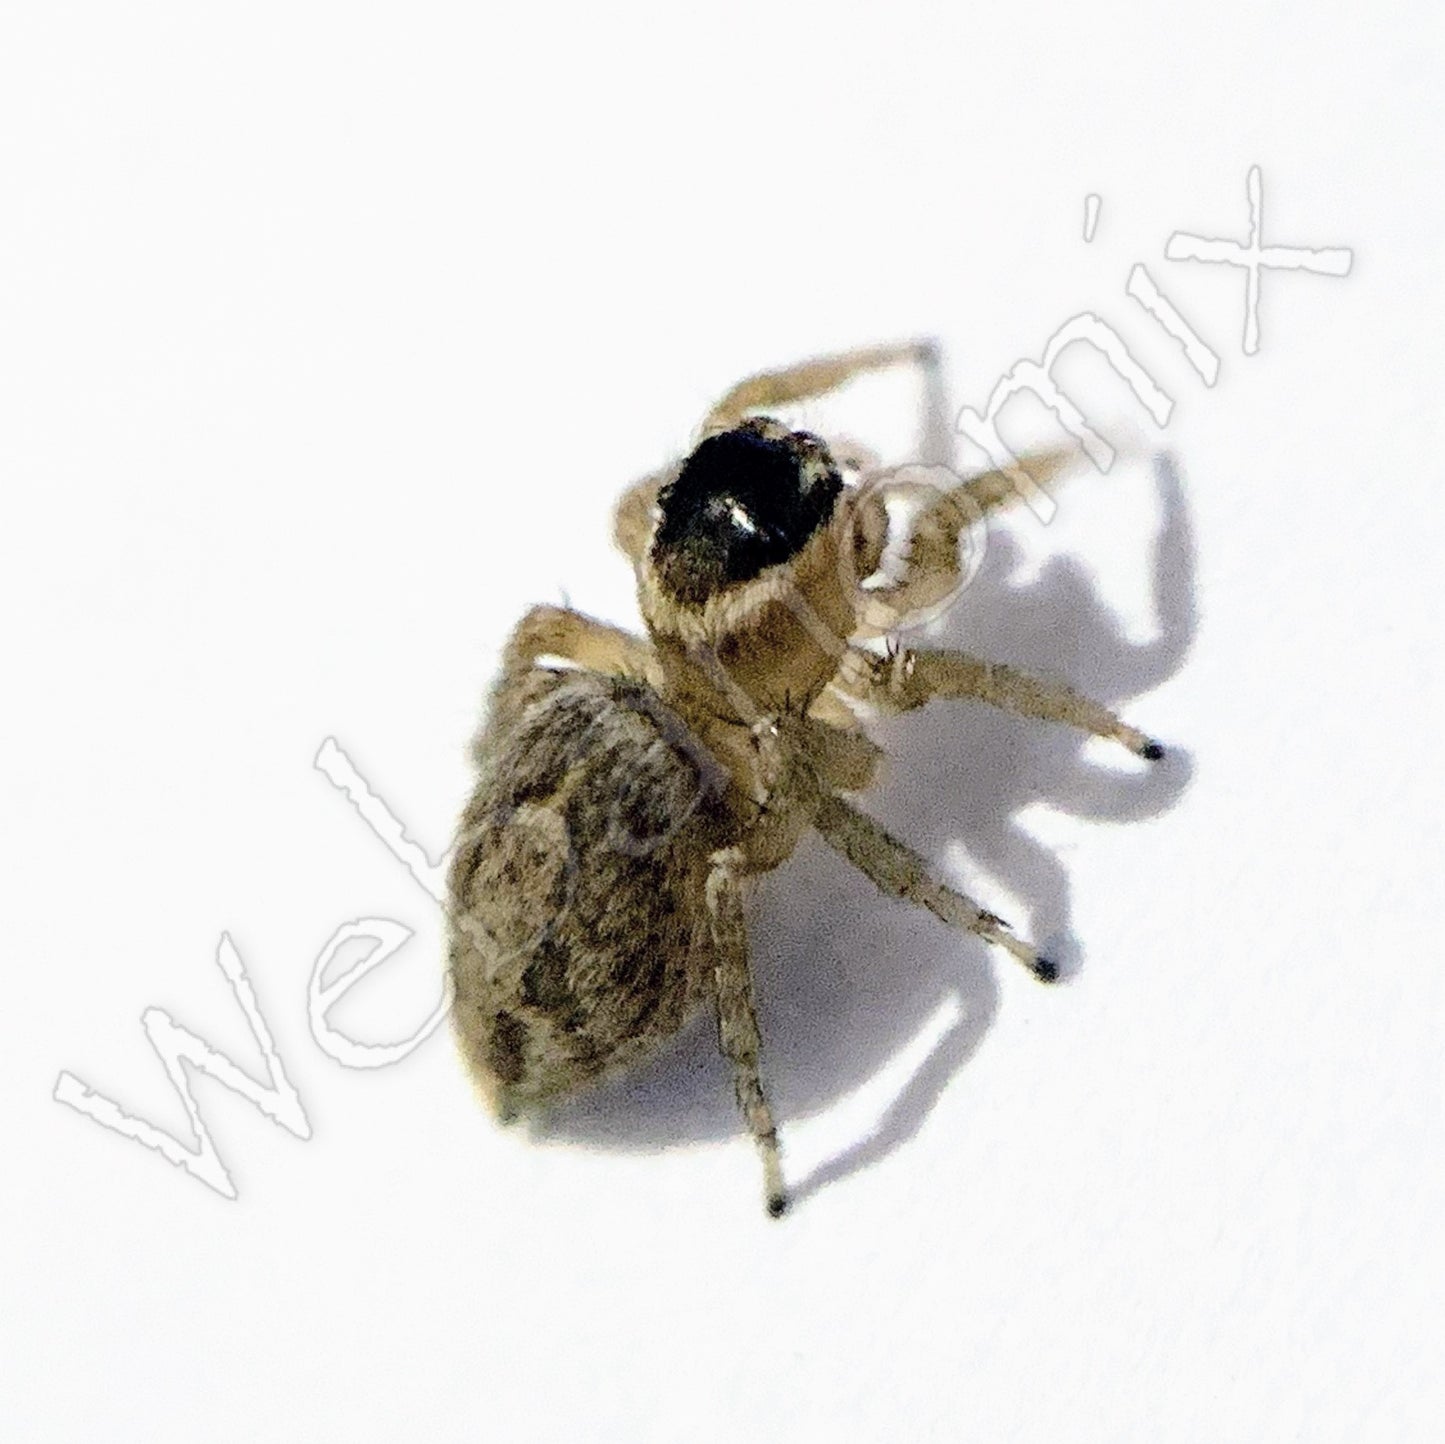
328 336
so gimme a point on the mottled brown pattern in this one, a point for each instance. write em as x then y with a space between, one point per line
577 886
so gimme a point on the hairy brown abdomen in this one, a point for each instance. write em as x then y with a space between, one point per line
577 907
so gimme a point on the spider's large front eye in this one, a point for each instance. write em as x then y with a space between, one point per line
745 500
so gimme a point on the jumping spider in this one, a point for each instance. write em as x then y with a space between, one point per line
631 787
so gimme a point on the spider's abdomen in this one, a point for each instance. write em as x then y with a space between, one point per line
577 902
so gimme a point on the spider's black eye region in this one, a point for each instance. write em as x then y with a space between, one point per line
745 500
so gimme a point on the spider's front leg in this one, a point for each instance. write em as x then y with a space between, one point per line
737 1017
907 679
808 379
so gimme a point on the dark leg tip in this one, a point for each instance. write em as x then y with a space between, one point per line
1046 971
777 1205
1153 751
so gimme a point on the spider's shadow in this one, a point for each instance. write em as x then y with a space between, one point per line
844 978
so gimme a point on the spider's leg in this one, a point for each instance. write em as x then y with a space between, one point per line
738 1020
575 639
810 378
559 639
909 679
903 873
990 490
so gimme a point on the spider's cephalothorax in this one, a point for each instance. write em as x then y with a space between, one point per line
744 500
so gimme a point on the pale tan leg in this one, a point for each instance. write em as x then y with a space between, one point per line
909 679
573 639
737 1017
990 490
808 379
576 638
903 873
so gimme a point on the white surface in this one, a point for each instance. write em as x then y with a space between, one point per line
328 336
